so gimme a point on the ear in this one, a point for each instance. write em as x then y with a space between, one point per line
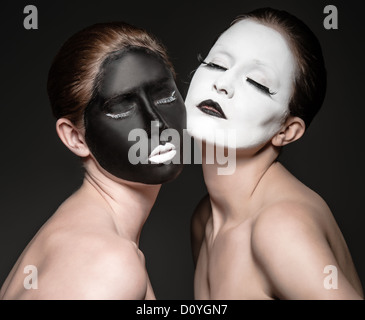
292 130
72 137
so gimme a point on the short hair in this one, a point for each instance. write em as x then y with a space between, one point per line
75 68
311 76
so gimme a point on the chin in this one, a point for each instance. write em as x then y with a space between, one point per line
154 174
163 173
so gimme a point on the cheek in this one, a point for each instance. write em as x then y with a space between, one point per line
107 136
259 111
177 115
198 86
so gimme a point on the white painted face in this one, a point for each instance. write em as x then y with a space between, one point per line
245 83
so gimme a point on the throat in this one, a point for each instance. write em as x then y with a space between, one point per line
235 195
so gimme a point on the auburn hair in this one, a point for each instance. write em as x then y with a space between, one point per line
72 76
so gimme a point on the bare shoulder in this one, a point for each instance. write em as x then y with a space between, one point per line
78 254
90 265
291 210
199 220
287 220
290 242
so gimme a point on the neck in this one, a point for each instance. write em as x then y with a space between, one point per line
128 203
232 195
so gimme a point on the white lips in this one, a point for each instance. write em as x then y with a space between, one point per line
162 153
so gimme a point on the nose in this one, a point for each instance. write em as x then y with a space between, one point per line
223 85
151 115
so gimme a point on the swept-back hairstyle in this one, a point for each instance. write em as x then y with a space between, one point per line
74 71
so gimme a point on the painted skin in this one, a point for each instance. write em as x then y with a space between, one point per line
252 87
137 90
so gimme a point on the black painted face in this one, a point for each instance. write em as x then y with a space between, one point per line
137 91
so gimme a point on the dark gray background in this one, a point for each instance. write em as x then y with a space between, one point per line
38 172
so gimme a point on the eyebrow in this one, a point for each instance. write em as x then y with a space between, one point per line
156 84
220 50
118 97
159 84
261 63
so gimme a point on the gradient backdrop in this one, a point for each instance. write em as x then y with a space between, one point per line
38 172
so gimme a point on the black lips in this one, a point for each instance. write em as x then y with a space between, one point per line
212 108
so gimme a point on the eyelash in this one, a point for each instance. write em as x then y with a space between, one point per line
118 115
259 86
166 100
211 64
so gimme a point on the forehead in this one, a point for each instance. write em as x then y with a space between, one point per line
248 39
131 71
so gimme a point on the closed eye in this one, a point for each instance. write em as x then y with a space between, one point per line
120 106
120 111
119 115
166 100
211 64
261 87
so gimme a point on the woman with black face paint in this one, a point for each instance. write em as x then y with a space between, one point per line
106 81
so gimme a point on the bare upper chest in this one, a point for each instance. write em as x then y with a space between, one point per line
226 268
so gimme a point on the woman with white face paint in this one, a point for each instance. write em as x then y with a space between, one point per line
260 233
